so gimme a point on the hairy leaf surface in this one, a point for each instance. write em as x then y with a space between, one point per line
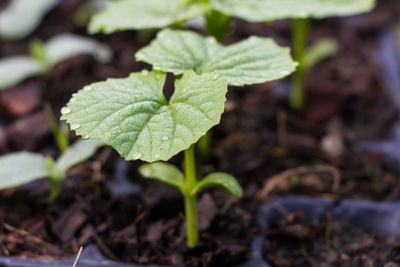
254 60
269 10
133 116
20 168
145 14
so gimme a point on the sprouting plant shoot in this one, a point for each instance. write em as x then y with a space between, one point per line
301 11
134 117
20 168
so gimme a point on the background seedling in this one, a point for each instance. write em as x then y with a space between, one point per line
146 14
21 17
44 57
60 130
20 168
133 116
301 11
118 16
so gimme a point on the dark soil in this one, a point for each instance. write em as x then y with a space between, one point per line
271 148
296 241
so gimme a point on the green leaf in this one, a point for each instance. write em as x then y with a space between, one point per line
133 116
22 17
323 49
21 168
14 70
269 10
145 14
67 45
219 179
165 173
254 60
77 153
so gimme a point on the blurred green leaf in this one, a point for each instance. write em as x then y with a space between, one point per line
21 168
323 49
145 14
22 17
269 10
78 152
13 70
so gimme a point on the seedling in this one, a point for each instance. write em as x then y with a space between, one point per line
133 116
44 56
21 17
301 11
20 168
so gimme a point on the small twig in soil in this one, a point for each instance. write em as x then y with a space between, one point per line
279 182
78 256
26 234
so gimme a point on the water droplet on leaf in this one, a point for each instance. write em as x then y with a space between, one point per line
65 110
75 126
145 72
137 155
165 138
215 76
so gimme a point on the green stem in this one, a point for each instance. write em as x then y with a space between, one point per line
60 136
204 145
55 179
300 29
191 201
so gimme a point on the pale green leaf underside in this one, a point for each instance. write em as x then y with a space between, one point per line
22 17
321 50
21 168
133 116
269 10
67 45
219 179
165 173
254 60
77 153
145 14
16 69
